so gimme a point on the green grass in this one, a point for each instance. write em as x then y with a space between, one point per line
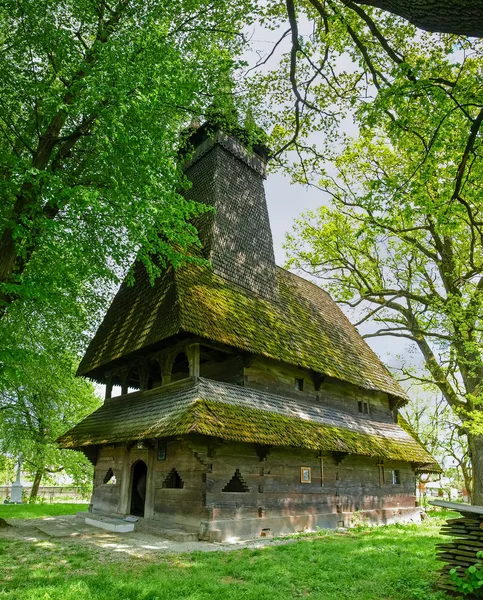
36 511
386 563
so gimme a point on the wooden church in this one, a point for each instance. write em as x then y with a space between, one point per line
250 405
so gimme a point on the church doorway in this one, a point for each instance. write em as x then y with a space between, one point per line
138 488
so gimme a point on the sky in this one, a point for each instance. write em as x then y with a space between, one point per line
285 203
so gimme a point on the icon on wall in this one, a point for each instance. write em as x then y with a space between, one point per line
305 475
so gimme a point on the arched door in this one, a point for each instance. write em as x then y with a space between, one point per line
138 488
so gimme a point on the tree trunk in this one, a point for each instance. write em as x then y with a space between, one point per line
36 484
462 17
476 450
468 481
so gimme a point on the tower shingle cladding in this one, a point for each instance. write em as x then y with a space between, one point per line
236 237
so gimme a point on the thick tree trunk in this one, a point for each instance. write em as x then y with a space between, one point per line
36 484
462 17
476 449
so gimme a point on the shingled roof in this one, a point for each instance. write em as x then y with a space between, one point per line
303 326
243 414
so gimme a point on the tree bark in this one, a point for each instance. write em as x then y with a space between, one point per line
461 17
36 484
476 450
467 478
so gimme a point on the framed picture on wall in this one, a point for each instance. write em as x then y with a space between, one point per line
162 450
305 475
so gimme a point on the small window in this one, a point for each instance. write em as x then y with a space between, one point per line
299 384
382 474
173 481
236 484
110 478
162 449
396 477
363 407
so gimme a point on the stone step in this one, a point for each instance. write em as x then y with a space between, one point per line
113 524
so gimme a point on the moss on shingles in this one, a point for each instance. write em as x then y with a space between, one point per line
304 327
250 425
242 424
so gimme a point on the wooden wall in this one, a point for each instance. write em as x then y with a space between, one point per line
105 497
275 499
279 378
186 505
275 486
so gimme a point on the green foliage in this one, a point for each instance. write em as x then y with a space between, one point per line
438 428
39 402
94 98
7 469
471 582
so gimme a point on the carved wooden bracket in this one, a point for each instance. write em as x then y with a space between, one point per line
263 452
339 456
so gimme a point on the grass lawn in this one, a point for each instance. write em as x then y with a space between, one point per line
36 511
386 563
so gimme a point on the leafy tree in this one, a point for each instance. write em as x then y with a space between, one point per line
439 429
46 400
94 95
337 60
7 469
397 243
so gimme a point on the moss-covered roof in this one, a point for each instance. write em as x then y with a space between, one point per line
243 414
303 327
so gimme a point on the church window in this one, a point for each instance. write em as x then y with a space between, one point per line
236 484
133 380
110 478
162 450
363 406
299 384
173 480
396 477
181 367
382 474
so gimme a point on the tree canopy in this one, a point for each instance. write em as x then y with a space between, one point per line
403 234
93 98
38 405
